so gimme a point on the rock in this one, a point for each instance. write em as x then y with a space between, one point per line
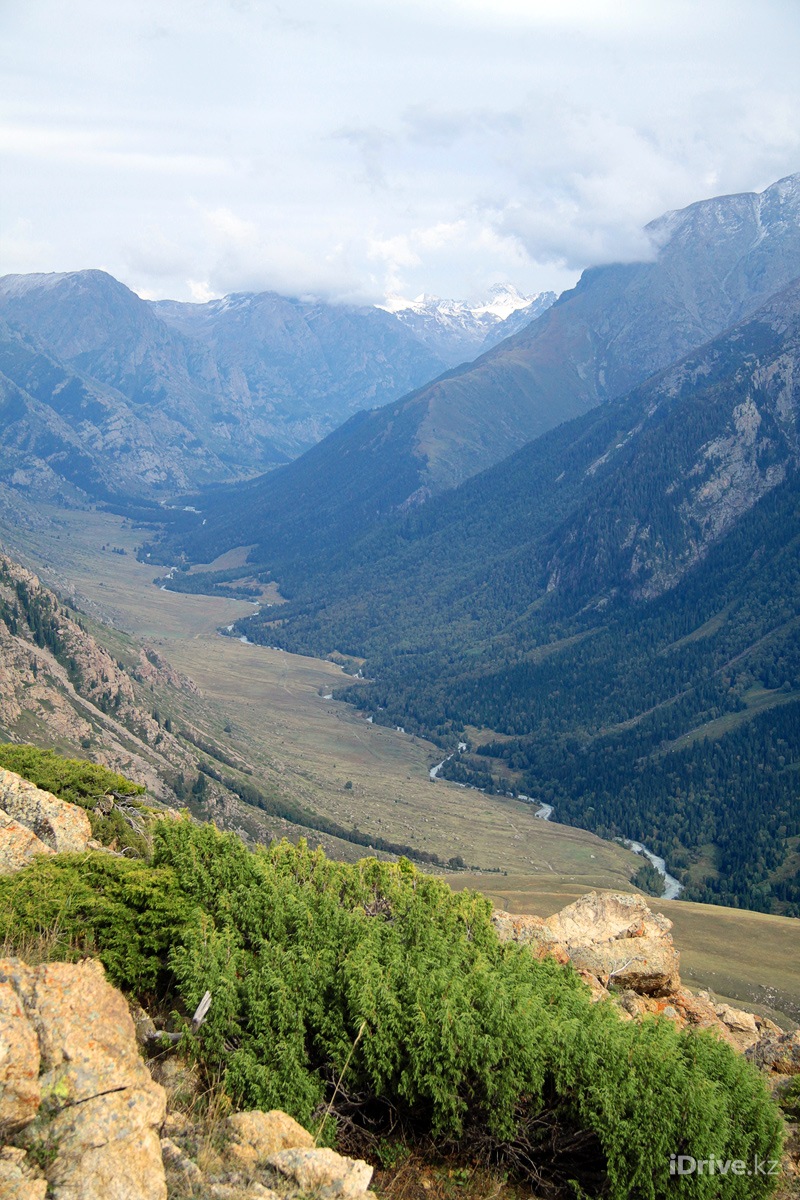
528 931
610 938
175 1159
779 1053
17 845
63 827
19 1178
100 1109
254 1136
737 1020
20 1094
323 1173
107 1148
617 939
608 916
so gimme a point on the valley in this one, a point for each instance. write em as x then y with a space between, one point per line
307 746
272 703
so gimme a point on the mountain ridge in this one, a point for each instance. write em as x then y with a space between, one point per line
619 325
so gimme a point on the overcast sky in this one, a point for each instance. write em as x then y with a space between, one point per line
356 148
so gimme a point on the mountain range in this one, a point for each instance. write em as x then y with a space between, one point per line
459 331
576 555
119 396
713 264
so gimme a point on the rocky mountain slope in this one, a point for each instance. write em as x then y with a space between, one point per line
59 686
713 264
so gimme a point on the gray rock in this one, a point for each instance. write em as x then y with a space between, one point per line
323 1173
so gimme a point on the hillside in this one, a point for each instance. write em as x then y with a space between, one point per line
713 264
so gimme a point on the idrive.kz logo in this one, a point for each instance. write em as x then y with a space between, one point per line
684 1164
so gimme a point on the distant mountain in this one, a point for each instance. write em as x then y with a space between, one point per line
66 435
296 369
458 331
213 392
713 264
253 380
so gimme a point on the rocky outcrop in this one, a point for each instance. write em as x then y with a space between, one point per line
610 938
625 953
69 690
252 1137
62 827
323 1173
20 1093
263 1154
777 1052
78 1099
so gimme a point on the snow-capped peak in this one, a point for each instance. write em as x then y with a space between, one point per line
458 329
503 300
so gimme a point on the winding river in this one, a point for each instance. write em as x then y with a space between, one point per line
672 886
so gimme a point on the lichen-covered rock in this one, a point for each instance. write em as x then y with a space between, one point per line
20 1094
63 827
618 940
19 1178
777 1052
98 1122
107 1148
17 845
254 1136
528 931
323 1173
605 917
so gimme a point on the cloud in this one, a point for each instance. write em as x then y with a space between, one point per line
345 149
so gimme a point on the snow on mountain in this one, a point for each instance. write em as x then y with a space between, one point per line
458 330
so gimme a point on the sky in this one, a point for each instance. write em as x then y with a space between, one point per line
359 149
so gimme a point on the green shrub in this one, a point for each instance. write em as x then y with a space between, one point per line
381 978
72 779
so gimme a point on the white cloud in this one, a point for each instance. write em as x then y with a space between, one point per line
348 149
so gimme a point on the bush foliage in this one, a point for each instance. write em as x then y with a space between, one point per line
380 977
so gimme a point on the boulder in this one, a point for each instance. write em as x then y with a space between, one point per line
97 1125
17 845
605 917
610 938
63 827
255 1136
107 1148
617 939
528 931
19 1178
323 1173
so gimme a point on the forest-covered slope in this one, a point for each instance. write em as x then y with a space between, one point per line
627 581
